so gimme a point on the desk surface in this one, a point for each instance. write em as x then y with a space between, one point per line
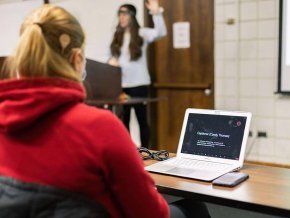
129 101
266 191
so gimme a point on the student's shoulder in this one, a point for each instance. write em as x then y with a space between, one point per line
96 111
85 113
106 123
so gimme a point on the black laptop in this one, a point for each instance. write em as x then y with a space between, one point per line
103 81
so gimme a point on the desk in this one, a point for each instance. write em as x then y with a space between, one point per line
266 191
106 103
129 101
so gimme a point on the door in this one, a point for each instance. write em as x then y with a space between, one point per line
185 76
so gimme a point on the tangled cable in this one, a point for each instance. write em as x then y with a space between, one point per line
146 154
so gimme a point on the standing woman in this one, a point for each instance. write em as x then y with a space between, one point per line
128 50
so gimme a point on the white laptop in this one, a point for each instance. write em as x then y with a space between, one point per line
212 143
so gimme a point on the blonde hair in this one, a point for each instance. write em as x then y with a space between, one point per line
40 51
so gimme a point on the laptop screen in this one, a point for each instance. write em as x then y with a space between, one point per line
211 135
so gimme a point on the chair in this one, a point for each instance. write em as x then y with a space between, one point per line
28 200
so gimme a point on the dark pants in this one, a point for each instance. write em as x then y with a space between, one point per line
141 113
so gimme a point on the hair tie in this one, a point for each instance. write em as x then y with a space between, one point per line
64 40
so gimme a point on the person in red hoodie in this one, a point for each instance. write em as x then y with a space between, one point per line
50 137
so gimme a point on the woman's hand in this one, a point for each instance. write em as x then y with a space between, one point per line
152 6
113 61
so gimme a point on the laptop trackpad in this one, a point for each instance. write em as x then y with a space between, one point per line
181 171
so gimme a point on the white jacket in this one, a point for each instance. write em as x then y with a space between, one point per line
135 73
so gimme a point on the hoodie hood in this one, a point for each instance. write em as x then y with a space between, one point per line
23 101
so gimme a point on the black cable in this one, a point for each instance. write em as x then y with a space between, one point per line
146 154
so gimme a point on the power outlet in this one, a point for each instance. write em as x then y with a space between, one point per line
262 134
250 133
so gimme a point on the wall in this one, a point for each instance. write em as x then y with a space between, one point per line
246 69
98 18
11 17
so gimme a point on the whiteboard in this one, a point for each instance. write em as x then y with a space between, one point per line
284 48
11 18
99 19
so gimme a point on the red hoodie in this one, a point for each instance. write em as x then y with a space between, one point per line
50 137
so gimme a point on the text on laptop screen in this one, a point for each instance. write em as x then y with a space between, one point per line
218 136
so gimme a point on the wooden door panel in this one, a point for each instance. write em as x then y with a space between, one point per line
170 114
182 75
194 64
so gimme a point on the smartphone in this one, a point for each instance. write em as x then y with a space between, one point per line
231 179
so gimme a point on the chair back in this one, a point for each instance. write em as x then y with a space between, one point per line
26 200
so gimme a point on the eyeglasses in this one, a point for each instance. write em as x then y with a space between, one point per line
146 154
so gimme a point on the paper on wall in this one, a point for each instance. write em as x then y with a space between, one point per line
181 35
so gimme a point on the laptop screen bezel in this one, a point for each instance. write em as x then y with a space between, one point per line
238 162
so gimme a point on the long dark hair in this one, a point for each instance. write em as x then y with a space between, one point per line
136 42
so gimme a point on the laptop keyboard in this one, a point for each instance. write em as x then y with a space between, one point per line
197 164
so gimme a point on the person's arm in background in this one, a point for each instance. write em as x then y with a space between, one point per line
159 30
131 186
